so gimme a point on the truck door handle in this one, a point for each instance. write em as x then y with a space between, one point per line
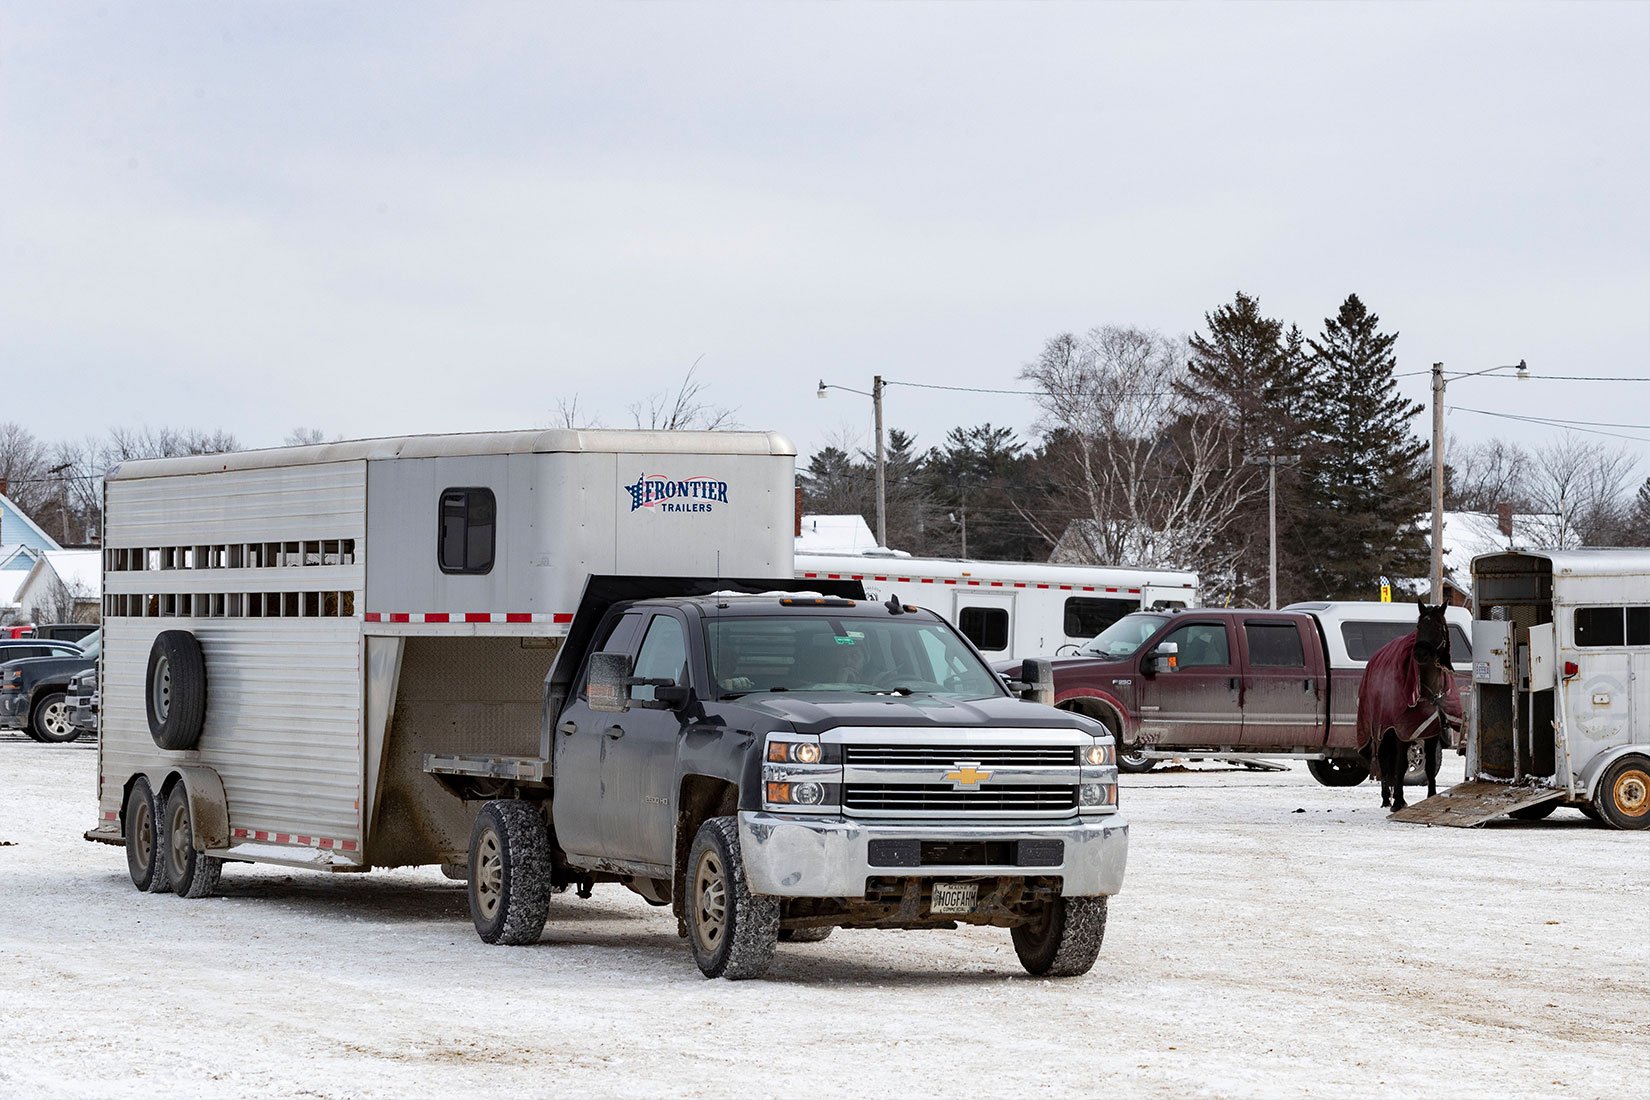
569 727
1232 683
1308 684
614 731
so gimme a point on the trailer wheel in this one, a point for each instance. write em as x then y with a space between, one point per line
145 839
510 867
731 931
49 722
804 935
1064 939
1623 798
193 874
1338 771
1534 813
175 690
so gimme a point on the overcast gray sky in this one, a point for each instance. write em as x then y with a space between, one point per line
394 218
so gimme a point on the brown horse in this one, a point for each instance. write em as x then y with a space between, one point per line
1407 695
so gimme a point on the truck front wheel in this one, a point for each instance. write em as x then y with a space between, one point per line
731 931
1063 940
510 867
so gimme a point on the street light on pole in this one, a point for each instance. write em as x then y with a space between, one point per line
882 492
1438 379
1272 462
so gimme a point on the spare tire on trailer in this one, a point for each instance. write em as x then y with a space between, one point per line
175 690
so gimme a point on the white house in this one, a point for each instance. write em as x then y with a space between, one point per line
61 586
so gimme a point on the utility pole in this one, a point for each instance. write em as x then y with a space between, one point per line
882 466
1272 462
1438 482
62 498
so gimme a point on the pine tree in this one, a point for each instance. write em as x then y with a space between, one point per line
1250 374
1363 470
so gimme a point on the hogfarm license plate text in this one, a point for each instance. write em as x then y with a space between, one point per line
954 897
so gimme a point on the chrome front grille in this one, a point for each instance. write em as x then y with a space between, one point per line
946 756
945 798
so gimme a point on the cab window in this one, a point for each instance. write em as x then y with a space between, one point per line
663 656
1202 645
1274 645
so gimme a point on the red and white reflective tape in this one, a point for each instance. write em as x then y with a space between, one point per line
110 815
967 583
469 617
298 839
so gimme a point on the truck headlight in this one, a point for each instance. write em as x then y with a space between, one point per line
1097 796
794 752
799 793
1100 755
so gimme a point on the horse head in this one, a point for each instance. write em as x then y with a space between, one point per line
1431 636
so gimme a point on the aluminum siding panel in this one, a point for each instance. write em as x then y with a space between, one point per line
283 719
281 504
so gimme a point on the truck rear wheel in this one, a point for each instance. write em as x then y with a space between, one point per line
1338 771
145 839
1623 797
1064 939
193 874
510 866
731 931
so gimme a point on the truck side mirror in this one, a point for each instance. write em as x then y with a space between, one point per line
667 696
1166 657
1037 676
608 689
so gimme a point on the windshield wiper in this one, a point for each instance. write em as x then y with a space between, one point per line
752 691
889 691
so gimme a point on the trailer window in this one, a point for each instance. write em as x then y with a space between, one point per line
468 526
1085 616
986 627
1612 626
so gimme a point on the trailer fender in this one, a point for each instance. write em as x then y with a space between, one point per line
208 806
1587 781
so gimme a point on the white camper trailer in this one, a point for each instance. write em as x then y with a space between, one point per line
307 623
1561 686
1011 610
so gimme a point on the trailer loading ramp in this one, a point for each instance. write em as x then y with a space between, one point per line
1474 802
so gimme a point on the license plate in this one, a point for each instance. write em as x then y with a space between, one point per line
954 897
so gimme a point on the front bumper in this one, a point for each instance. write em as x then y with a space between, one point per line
828 857
83 717
14 710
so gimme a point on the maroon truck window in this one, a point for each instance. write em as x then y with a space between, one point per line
1274 645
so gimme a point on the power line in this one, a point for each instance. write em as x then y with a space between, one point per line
1568 425
1541 377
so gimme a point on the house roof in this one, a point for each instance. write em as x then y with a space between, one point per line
1468 535
81 571
17 529
836 535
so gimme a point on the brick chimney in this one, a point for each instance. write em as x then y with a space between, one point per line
1503 518
4 485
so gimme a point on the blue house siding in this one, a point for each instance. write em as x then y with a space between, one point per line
16 529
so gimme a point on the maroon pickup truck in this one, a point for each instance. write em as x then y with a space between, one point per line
1236 684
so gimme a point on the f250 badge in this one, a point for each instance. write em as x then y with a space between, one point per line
665 494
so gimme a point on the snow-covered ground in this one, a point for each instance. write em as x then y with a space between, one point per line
1276 938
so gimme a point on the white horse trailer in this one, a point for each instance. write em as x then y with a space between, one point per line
288 632
1561 686
1011 610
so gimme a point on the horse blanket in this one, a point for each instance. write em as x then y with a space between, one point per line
1390 697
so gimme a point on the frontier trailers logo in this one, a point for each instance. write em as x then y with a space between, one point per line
665 494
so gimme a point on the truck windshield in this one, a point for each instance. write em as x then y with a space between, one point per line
900 655
1124 637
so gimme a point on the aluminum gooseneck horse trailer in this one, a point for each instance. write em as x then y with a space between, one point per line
1561 685
289 632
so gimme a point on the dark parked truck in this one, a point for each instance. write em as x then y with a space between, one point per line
34 692
1239 684
775 766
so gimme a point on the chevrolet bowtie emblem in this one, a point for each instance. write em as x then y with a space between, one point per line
968 774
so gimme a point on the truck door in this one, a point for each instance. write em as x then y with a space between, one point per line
639 755
1284 701
987 620
1198 704
580 735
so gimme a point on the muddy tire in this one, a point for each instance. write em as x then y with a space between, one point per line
510 869
175 690
1064 940
1623 794
145 839
1534 813
457 872
1338 772
731 931
49 721
804 935
1131 761
193 874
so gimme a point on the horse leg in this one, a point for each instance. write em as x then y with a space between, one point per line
1382 753
1434 757
1397 764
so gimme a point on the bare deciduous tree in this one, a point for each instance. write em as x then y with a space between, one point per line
1585 487
23 466
1151 483
1483 475
306 437
683 410
569 415
59 605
